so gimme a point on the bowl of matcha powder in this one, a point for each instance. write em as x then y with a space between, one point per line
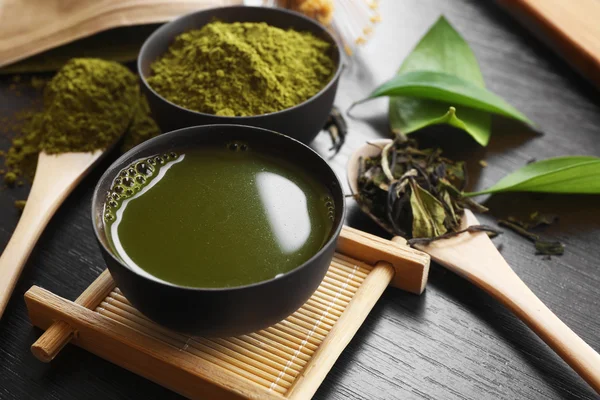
263 67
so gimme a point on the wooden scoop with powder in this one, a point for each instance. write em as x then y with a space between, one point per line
88 106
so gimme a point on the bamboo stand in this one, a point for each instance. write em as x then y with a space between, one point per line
286 361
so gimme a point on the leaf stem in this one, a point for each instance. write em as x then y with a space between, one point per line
385 164
473 228
542 246
349 110
473 194
521 231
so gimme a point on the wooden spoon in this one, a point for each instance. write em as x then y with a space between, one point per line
474 257
55 177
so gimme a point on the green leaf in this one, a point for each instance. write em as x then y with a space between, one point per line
408 115
449 88
441 49
571 174
428 213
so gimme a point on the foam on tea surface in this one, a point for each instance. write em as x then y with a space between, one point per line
217 217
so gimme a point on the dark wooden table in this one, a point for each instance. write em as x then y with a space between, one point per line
454 341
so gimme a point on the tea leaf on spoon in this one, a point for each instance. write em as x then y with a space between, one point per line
413 192
441 49
570 174
428 213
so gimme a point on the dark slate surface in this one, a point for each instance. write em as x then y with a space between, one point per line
454 341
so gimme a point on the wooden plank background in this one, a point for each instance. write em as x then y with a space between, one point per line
453 342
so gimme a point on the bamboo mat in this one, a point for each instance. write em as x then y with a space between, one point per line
272 358
288 360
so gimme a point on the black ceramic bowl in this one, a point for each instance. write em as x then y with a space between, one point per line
302 122
226 311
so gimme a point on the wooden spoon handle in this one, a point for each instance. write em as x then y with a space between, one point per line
474 256
55 177
40 207
513 293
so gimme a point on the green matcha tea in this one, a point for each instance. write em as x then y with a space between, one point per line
217 217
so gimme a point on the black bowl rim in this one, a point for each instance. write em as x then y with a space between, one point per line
148 143
159 30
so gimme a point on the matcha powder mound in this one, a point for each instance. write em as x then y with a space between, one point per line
242 69
86 106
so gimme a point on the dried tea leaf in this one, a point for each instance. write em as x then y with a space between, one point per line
447 200
549 248
492 232
413 192
518 229
535 220
543 247
461 201
337 128
428 213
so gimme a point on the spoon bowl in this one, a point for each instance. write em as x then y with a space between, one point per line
370 149
473 256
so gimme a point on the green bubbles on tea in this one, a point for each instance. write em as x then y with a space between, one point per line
128 182
219 217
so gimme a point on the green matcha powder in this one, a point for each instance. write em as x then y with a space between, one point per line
242 69
87 106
